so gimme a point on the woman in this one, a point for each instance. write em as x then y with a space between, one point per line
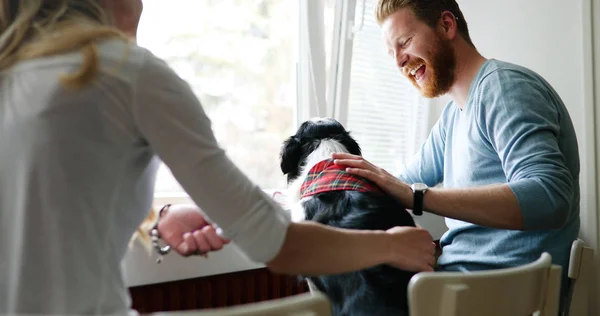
83 112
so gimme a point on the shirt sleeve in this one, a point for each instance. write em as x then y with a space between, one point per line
427 165
522 122
174 124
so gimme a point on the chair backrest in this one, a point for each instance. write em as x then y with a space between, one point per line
311 286
581 264
308 304
533 288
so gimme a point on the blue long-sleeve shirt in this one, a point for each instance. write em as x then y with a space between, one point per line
513 129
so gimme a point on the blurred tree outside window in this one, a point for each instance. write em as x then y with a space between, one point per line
239 56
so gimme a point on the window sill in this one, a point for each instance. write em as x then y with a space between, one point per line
140 267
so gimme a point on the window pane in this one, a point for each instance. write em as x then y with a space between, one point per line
328 33
239 58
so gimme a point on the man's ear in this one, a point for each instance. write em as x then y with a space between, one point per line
448 25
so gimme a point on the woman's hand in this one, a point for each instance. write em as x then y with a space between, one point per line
359 166
186 230
411 249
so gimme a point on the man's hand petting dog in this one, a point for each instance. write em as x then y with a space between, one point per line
413 249
186 230
393 186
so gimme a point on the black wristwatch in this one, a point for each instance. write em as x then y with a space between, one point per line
419 190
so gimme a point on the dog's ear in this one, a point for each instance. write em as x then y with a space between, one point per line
350 143
291 153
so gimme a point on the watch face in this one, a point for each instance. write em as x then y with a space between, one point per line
419 186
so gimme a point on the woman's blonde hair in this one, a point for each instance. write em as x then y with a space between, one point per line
39 28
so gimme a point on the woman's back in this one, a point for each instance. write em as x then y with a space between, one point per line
76 179
77 174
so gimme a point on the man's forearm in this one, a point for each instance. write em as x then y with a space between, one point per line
314 249
492 206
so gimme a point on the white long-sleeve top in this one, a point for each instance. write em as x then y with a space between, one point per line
77 171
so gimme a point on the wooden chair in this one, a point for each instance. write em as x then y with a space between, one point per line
309 304
581 264
533 288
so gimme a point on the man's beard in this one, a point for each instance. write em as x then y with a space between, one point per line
439 69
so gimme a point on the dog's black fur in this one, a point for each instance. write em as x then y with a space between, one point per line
381 290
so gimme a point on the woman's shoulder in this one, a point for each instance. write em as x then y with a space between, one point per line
126 58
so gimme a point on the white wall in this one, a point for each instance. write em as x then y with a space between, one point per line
553 38
546 36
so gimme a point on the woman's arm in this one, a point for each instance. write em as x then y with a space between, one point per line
314 249
310 248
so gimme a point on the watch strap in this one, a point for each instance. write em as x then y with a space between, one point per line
418 202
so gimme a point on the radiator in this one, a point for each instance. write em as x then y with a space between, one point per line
215 291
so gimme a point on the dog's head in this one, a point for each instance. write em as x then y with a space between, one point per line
315 140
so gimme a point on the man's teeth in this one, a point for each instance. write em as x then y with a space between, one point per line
414 70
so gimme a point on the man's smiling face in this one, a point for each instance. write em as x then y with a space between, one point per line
422 54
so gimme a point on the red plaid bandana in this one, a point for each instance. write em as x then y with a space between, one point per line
326 176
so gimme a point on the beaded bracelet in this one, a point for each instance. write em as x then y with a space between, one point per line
155 235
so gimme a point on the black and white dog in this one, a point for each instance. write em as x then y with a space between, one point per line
321 192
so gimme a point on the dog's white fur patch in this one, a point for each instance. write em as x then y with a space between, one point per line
324 151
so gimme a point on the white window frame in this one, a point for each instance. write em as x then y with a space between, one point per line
311 61
590 217
341 58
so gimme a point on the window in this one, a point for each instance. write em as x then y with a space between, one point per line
385 112
259 67
381 108
239 57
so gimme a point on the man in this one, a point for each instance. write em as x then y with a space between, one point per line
504 148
